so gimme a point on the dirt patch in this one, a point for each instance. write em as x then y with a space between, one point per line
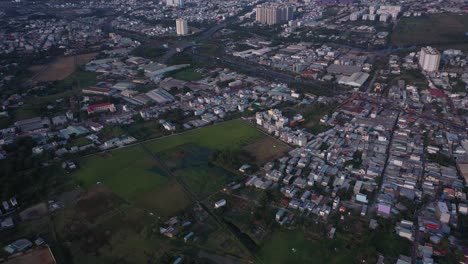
41 255
59 69
34 212
165 201
267 149
96 202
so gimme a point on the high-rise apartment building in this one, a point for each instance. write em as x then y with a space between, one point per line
182 27
429 59
274 14
176 3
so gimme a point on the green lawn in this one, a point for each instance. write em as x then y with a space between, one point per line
142 130
292 247
26 111
128 172
414 77
79 142
109 132
189 74
228 135
165 200
190 162
187 154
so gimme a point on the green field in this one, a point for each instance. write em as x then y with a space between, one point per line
356 244
132 172
233 134
58 90
116 229
128 172
431 30
292 247
189 74
191 163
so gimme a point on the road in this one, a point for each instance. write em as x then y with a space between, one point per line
371 84
372 203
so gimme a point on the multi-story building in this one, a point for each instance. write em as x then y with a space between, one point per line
274 14
429 59
176 3
391 10
182 27
354 16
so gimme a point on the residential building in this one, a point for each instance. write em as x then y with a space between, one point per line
175 3
429 59
274 14
182 27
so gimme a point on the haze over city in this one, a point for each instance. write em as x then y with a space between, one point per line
233 131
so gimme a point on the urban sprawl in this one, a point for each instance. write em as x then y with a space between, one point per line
235 131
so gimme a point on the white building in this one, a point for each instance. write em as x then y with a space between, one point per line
429 59
390 10
176 3
442 212
182 27
220 203
354 16
357 79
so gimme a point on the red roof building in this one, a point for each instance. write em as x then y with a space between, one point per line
437 93
103 107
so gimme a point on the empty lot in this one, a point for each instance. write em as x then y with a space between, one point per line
60 68
431 30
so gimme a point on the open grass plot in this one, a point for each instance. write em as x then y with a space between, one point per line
431 29
292 247
128 172
165 200
121 235
136 176
189 74
267 149
191 163
233 134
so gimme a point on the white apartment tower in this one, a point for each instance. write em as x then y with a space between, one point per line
182 27
176 3
429 59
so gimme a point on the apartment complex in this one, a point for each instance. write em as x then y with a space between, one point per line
182 27
274 14
429 59
389 10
